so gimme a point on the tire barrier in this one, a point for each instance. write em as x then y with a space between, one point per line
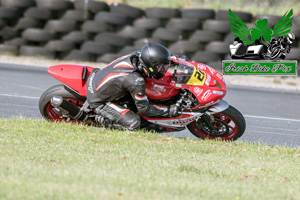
38 13
93 6
126 10
143 41
74 15
65 29
60 45
8 49
37 35
90 26
162 13
132 32
36 50
272 19
54 5
60 26
198 14
223 15
27 22
185 47
217 47
97 48
17 3
76 37
16 42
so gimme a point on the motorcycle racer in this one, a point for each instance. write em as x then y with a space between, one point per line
125 76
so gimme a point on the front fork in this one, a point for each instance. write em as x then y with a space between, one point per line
209 121
208 118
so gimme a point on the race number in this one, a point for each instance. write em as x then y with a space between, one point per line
197 78
199 74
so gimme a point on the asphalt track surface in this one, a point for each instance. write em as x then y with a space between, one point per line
272 116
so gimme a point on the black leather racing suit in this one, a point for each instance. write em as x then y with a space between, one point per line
119 78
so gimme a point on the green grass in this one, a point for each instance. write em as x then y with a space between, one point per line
42 160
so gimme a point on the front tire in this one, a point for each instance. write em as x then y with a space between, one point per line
51 113
230 124
275 53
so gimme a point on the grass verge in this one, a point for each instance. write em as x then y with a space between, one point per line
43 160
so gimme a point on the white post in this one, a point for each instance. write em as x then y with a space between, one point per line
85 9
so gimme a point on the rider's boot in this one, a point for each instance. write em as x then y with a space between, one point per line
108 123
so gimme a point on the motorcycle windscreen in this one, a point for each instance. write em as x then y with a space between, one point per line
190 75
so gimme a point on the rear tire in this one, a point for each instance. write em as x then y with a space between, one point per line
48 111
230 119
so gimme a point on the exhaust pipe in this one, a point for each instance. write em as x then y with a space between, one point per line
73 111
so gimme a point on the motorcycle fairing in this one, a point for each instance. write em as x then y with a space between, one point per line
218 107
73 76
160 89
206 84
186 117
176 122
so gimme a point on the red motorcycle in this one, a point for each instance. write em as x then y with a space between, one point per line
197 88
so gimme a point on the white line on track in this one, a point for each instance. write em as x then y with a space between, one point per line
272 118
5 105
274 133
18 96
275 128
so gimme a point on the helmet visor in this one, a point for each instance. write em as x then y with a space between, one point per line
163 68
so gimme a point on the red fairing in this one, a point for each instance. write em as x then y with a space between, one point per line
161 88
214 88
72 76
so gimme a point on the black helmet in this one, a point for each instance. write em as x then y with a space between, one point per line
156 59
290 38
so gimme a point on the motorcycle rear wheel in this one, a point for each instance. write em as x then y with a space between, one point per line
230 124
51 113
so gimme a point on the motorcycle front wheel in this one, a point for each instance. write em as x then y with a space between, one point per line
275 52
229 125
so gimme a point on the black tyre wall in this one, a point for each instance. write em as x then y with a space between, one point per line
205 57
55 5
162 13
224 15
127 10
112 18
95 47
147 23
199 14
93 6
78 55
36 51
27 22
17 3
205 36
61 26
37 35
60 46
132 32
113 39
76 36
38 13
